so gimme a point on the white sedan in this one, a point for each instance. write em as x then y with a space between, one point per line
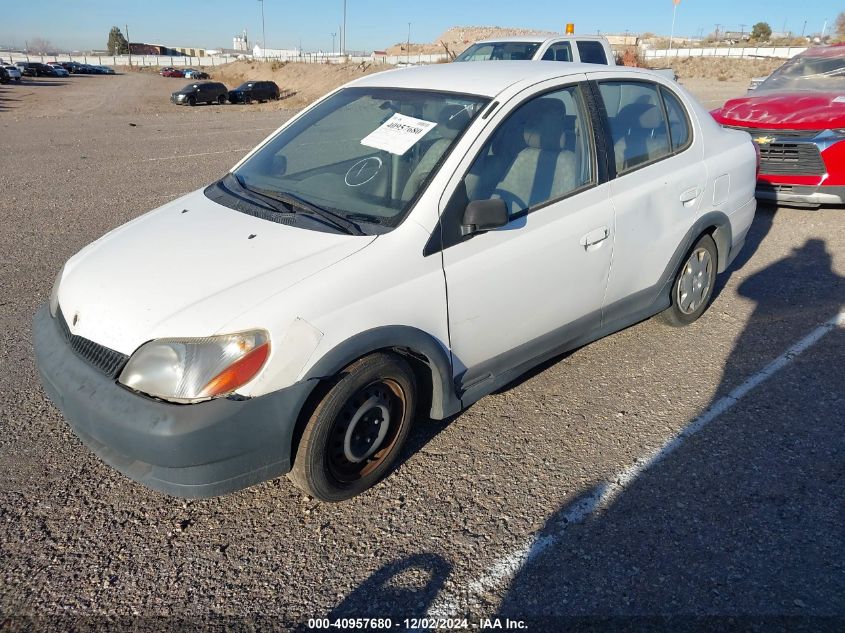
14 72
408 244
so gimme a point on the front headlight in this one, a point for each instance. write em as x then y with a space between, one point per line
195 369
54 293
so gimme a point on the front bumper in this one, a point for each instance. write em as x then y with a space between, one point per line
805 195
195 450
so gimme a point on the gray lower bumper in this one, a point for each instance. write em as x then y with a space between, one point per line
801 194
197 450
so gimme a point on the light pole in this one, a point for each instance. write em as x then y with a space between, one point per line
263 32
343 33
333 36
408 49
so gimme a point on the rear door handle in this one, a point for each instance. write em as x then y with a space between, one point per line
595 236
690 195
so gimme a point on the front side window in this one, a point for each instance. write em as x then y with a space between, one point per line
637 123
363 152
540 153
591 52
559 52
491 51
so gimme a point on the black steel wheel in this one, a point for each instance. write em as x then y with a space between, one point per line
356 431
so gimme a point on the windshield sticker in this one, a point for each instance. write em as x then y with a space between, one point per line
839 100
398 134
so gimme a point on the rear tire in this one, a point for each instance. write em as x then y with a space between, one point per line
356 432
692 289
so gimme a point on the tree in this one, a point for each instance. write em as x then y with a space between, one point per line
117 44
40 45
840 23
761 31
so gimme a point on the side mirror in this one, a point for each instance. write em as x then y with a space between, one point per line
484 215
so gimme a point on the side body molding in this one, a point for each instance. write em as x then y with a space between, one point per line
407 340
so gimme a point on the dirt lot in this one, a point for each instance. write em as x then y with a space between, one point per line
504 510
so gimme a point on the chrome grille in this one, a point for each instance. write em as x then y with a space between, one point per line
101 358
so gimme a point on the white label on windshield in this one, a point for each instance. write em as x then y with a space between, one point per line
839 100
398 134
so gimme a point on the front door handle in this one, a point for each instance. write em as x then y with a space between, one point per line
690 195
594 237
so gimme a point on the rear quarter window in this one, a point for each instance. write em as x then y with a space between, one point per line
592 52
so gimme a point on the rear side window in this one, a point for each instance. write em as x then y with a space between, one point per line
679 132
592 52
637 123
559 52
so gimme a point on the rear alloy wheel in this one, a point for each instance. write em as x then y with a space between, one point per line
693 287
356 431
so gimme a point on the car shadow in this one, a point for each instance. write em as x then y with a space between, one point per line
396 591
739 527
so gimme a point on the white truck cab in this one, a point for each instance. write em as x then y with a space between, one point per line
587 49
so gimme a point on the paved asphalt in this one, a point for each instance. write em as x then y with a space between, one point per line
740 527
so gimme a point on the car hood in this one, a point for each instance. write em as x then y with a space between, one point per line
187 269
785 110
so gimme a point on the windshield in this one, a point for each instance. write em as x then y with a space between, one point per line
808 72
363 153
482 51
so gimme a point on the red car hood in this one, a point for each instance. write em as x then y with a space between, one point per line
785 110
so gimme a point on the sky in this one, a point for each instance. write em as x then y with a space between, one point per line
375 24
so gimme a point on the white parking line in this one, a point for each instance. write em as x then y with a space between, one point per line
177 157
454 602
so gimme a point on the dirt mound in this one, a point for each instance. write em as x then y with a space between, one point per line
307 81
458 38
720 68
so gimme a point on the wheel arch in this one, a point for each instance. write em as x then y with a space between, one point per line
429 359
718 226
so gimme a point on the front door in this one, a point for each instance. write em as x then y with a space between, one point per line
516 292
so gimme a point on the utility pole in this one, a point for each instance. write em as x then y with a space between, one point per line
263 32
742 32
675 4
718 26
804 28
343 42
408 50
128 46
333 36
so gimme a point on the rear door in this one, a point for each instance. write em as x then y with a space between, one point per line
657 188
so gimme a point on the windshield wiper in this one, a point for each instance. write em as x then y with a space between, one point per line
294 201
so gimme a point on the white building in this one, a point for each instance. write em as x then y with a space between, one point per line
274 53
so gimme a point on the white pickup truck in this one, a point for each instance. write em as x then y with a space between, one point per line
588 49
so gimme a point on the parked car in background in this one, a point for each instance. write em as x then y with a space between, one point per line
206 92
57 71
104 70
171 72
71 67
250 91
34 69
4 75
317 325
589 49
797 118
13 72
196 74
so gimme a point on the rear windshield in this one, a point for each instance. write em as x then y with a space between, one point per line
485 51
808 72
246 86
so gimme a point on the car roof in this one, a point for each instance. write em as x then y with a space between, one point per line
486 78
538 38
833 52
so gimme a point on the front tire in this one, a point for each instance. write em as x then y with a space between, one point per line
357 430
221 100
192 101
692 289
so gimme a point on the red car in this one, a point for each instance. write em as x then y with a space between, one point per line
797 118
172 72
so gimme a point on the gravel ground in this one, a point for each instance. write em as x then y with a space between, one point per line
743 521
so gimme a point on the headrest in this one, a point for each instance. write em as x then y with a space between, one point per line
639 115
544 124
652 118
